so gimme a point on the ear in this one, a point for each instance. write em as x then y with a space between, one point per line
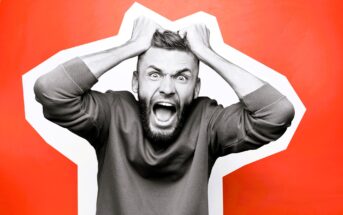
134 83
197 88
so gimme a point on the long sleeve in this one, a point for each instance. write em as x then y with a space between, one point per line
68 101
259 118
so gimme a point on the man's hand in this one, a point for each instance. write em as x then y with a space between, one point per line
142 33
240 80
198 37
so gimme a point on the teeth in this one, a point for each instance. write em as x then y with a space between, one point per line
165 104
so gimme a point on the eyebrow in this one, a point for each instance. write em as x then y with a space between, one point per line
176 73
155 67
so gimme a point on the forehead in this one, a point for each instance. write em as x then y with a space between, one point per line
168 60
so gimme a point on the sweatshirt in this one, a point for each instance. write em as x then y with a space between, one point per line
135 178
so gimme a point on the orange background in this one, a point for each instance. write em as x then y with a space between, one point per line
301 39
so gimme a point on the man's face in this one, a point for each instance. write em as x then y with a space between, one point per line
166 82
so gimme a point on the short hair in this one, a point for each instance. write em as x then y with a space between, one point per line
169 40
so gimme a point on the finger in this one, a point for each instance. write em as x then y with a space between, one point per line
141 20
159 29
207 31
135 22
182 33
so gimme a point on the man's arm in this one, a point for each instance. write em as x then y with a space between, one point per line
101 62
240 80
263 114
65 91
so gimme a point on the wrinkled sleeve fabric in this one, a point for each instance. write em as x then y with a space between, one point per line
259 118
68 101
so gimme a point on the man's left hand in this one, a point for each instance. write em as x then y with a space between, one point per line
198 37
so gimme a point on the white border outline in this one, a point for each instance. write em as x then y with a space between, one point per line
80 152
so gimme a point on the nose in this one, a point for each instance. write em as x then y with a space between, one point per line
167 86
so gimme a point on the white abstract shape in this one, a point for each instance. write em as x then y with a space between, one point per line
80 152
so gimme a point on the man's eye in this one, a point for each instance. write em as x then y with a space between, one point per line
181 78
154 76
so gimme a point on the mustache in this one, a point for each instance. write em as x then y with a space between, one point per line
175 105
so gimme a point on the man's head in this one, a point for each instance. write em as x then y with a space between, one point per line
166 81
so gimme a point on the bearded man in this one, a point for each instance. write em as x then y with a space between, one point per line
155 155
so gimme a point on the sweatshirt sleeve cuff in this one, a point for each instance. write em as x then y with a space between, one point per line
262 97
80 73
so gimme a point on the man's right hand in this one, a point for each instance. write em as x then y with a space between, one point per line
142 33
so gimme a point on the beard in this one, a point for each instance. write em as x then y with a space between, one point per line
161 138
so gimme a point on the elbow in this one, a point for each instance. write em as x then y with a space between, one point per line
287 112
39 88
45 91
274 123
279 114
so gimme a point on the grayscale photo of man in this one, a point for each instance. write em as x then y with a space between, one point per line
155 153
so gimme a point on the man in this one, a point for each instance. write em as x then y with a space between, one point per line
155 154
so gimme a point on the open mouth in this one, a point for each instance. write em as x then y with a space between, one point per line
164 111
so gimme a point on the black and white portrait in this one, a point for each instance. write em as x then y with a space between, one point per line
153 133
